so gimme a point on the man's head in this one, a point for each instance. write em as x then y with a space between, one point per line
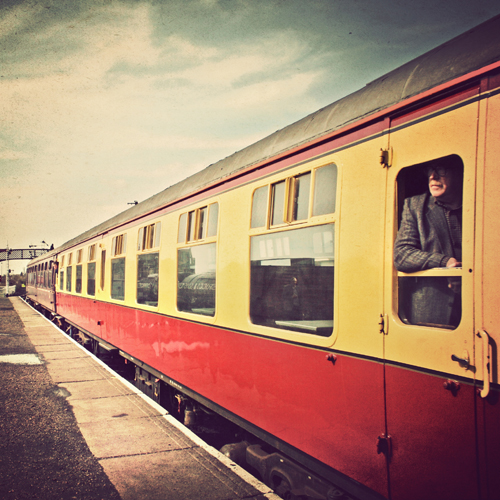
445 184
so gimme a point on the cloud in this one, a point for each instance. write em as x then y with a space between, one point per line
115 88
103 103
10 154
99 109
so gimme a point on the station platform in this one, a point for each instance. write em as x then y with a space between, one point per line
70 428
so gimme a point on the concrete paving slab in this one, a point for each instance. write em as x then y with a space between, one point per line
84 362
39 327
72 354
179 474
78 370
97 410
131 436
90 390
57 347
44 330
48 340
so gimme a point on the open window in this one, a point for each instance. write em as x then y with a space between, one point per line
430 234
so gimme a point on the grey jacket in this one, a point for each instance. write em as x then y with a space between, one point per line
423 239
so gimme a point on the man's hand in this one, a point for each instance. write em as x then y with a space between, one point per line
454 283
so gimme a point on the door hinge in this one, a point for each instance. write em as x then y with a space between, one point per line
383 324
384 445
385 158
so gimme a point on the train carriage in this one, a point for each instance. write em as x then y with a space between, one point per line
264 288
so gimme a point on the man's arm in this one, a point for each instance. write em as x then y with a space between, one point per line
408 254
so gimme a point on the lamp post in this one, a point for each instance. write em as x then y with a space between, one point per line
7 273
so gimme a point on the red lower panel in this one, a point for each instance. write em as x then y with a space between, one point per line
334 412
488 414
433 437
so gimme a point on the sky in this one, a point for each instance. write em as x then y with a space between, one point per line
103 103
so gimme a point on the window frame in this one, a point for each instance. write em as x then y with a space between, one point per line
145 255
79 278
119 245
290 224
94 265
69 278
436 272
290 200
193 232
149 237
114 262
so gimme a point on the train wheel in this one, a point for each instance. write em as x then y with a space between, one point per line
283 489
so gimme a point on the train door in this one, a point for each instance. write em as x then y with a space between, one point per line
487 312
52 284
429 329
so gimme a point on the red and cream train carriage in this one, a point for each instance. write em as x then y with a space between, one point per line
264 286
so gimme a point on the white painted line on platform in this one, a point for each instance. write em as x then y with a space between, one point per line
21 359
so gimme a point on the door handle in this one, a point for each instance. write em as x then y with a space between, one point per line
463 362
486 363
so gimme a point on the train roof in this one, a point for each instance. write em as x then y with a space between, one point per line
471 51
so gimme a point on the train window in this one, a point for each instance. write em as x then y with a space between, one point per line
430 240
91 255
78 282
140 239
79 256
290 199
191 225
68 278
103 269
119 245
292 276
157 234
147 279
196 279
213 217
202 222
301 188
118 278
259 207
61 280
182 229
149 236
62 261
91 278
325 188
70 259
278 203
198 224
